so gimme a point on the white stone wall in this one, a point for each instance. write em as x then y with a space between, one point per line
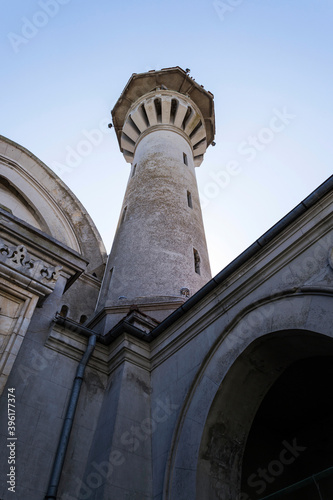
153 251
275 309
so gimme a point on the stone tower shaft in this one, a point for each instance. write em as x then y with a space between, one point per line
159 255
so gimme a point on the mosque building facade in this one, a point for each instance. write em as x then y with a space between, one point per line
137 375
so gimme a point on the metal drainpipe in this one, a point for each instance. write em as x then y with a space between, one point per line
68 422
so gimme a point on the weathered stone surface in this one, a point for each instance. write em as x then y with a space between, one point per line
164 416
160 235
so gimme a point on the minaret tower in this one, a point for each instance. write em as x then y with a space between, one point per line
164 122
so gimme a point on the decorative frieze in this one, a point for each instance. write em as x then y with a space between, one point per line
17 257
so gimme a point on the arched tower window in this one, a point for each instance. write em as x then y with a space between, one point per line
189 199
196 261
64 311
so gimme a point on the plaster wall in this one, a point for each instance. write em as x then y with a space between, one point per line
17 207
285 287
121 450
40 198
42 378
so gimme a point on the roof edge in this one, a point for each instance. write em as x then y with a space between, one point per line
252 250
72 196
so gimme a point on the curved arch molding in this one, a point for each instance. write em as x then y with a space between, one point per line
36 195
237 373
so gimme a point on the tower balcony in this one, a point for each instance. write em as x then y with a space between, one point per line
168 99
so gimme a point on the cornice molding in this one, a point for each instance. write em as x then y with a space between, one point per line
106 358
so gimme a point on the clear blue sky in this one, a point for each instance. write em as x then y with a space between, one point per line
65 63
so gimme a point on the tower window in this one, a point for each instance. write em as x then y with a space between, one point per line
109 278
133 170
64 311
189 199
123 215
83 319
185 158
196 261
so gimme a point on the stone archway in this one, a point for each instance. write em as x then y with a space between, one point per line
34 194
291 437
235 408
210 438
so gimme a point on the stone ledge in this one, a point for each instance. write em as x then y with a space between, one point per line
106 358
33 254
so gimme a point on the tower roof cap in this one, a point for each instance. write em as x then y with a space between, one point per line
167 78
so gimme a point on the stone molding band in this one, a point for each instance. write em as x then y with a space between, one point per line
19 258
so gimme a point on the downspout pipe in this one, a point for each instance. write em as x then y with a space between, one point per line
68 422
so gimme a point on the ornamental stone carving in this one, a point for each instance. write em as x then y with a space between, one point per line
17 257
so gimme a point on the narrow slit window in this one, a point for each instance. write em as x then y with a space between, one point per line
123 215
133 170
196 261
185 158
189 199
